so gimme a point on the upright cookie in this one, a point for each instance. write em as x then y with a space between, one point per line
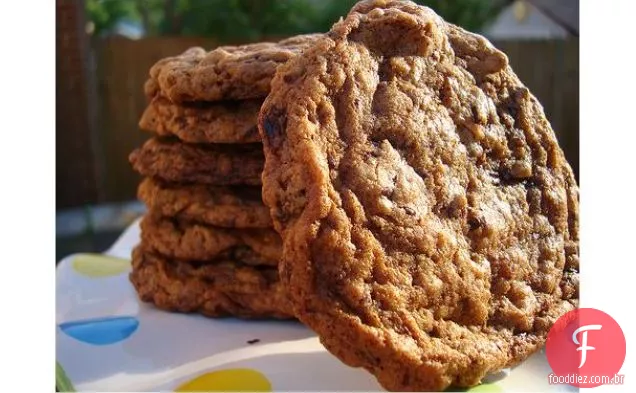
225 73
220 165
224 122
227 288
228 207
429 217
186 240
151 89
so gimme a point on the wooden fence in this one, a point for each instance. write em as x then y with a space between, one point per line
122 68
548 68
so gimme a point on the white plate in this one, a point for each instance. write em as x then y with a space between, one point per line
109 341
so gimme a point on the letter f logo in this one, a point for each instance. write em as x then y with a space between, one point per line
583 345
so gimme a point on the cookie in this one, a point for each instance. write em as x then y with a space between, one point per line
186 240
429 217
227 288
151 89
228 207
225 73
174 161
226 122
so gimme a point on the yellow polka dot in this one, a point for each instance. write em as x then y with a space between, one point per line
232 380
96 265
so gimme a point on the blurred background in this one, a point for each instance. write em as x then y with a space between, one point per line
106 47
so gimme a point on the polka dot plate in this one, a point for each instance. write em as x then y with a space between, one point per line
106 340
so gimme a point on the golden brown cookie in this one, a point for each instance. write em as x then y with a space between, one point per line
227 288
229 207
151 89
223 122
429 217
187 240
225 73
213 164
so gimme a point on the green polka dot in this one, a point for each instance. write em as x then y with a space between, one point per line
62 383
485 388
97 265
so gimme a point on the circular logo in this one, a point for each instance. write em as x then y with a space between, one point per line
585 348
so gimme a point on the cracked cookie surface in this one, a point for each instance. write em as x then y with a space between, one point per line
224 122
227 288
228 207
225 73
192 241
428 215
212 164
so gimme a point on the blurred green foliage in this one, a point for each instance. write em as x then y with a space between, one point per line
244 19
235 20
472 15
104 14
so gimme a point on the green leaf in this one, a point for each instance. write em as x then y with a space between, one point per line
62 383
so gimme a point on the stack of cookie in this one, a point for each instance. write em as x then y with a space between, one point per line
207 242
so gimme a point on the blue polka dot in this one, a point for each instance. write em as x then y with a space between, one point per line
102 331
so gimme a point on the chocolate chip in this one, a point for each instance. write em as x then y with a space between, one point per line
290 78
474 223
409 211
270 129
274 125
